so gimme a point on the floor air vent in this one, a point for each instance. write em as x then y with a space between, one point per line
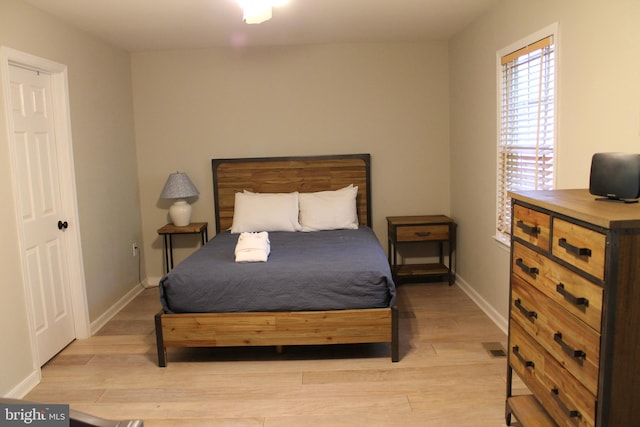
495 349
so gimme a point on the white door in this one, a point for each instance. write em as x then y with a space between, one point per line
40 207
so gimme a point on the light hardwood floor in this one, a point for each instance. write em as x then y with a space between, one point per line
445 377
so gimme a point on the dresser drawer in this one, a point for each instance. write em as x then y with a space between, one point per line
526 357
571 342
420 233
558 392
531 226
565 396
579 246
574 293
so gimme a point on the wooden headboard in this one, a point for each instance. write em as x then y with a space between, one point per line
286 174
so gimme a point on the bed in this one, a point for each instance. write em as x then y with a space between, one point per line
352 305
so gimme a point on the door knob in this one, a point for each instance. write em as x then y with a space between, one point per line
62 225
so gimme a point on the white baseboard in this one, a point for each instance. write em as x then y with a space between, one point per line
26 385
149 282
500 321
97 324
152 282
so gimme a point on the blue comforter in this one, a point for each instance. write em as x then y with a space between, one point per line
321 270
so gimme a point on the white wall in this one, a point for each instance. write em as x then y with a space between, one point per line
390 100
598 110
104 150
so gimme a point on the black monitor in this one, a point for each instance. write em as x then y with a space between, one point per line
615 177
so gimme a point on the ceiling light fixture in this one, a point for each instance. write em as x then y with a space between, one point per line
258 11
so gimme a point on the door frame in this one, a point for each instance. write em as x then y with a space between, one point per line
64 152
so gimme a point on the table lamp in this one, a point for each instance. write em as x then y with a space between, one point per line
179 187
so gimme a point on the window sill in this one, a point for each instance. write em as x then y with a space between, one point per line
504 241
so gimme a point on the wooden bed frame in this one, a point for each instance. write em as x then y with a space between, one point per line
282 175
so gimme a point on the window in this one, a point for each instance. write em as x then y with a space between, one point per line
526 146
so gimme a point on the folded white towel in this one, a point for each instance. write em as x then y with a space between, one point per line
253 247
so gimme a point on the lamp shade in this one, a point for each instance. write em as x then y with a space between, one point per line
179 186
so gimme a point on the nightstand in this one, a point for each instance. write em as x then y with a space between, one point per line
168 231
438 229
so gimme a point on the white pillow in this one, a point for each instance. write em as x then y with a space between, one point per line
265 212
329 210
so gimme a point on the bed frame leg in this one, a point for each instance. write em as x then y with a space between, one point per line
395 336
162 350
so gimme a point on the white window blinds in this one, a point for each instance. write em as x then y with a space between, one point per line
527 135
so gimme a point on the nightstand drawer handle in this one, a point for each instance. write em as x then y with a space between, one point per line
423 233
528 229
576 354
577 301
524 267
570 413
525 362
573 249
529 314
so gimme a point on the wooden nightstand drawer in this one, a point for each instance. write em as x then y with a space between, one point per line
531 226
574 293
421 233
579 246
574 344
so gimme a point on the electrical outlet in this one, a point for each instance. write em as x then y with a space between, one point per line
134 248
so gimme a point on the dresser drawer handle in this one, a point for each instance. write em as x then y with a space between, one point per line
573 249
570 413
524 267
576 354
528 229
423 233
529 314
577 301
525 362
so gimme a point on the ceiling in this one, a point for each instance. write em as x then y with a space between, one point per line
137 25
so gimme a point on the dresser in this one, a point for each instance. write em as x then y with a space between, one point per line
574 316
